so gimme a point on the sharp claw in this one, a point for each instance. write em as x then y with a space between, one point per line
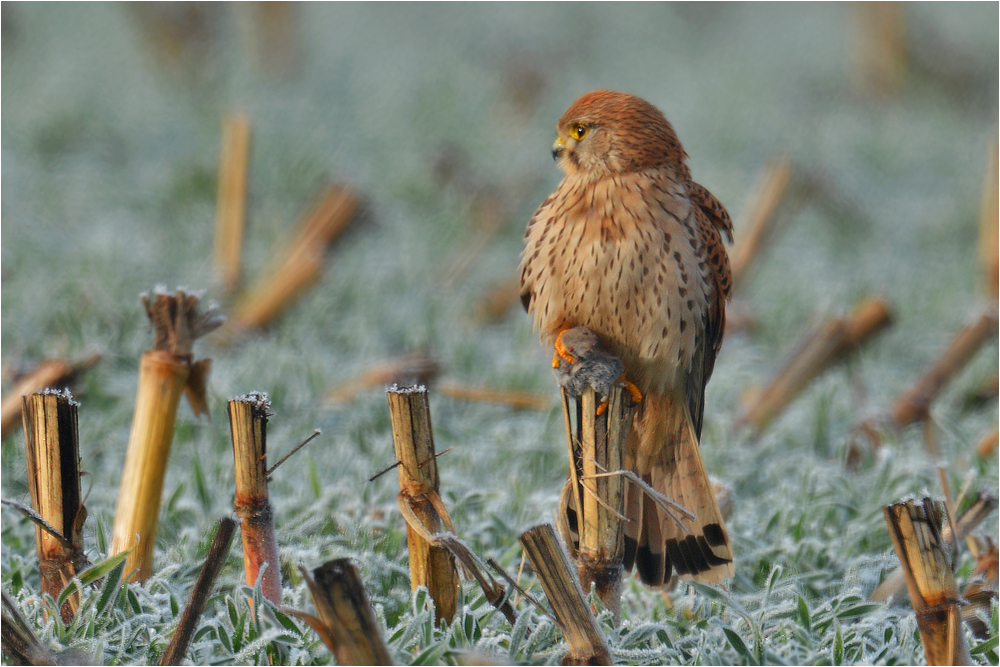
562 352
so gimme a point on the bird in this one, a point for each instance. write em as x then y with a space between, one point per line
629 247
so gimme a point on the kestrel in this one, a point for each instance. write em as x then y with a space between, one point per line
631 248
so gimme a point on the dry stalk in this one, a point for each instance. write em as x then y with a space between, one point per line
495 304
231 200
53 452
346 622
165 372
761 219
915 528
248 422
271 34
880 53
982 591
50 374
519 400
894 585
988 444
989 230
418 368
597 449
299 266
200 593
20 645
430 566
915 403
551 564
814 354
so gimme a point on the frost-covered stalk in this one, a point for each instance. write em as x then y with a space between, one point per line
200 593
299 266
816 353
430 566
915 528
550 562
346 621
248 422
231 200
596 450
913 405
53 451
165 372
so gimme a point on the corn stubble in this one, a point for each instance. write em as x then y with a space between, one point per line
165 373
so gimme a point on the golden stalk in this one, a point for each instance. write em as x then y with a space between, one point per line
299 266
915 529
430 566
597 450
165 372
761 217
248 422
915 403
53 452
550 562
519 400
419 368
880 53
989 229
988 444
498 300
49 374
814 354
188 622
231 200
346 622
894 585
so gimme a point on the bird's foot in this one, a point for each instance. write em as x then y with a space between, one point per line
629 387
562 351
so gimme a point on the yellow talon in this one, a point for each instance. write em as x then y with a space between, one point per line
562 352
632 389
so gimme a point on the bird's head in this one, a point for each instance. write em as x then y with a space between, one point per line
605 132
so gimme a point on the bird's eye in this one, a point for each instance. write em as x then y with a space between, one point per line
578 132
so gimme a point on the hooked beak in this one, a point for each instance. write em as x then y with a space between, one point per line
557 148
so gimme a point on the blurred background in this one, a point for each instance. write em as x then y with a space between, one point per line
440 119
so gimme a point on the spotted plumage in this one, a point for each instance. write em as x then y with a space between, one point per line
631 248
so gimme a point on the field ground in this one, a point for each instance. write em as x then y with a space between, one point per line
109 149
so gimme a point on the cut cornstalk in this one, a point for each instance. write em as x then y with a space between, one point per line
50 374
165 372
430 566
248 422
988 444
199 594
498 300
915 528
519 400
53 452
19 643
299 266
231 199
894 585
989 230
597 448
914 404
817 352
761 218
419 368
551 563
879 48
346 622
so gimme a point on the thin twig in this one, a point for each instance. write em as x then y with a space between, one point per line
284 458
